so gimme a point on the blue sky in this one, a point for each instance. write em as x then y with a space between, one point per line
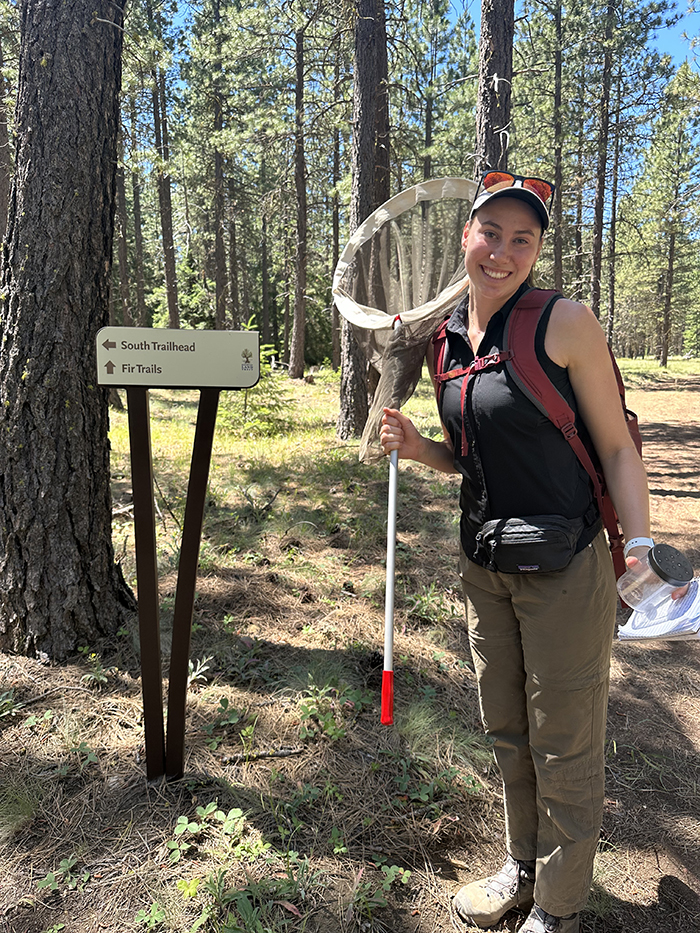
671 41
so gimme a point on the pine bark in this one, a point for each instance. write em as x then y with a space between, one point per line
495 85
233 259
612 251
601 164
557 211
5 159
219 248
142 316
296 352
335 200
160 129
353 380
59 585
122 243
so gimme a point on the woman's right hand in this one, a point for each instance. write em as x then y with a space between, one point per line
399 433
678 593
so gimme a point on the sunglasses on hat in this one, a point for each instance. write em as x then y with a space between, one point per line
497 181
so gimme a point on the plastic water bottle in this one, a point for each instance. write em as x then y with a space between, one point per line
647 584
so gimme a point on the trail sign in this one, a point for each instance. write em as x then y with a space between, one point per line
178 359
140 359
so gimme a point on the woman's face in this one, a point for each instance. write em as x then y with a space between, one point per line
501 243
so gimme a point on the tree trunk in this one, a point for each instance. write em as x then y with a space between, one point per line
668 297
601 164
335 316
382 169
219 248
5 160
59 585
160 129
264 261
265 278
612 251
296 354
578 290
495 84
670 264
557 212
123 250
233 258
142 315
353 380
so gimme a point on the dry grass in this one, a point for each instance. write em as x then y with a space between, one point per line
319 812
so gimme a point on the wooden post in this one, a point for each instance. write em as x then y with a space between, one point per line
147 576
187 579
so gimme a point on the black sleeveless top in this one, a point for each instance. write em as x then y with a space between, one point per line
517 463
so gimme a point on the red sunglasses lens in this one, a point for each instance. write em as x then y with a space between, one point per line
542 189
495 180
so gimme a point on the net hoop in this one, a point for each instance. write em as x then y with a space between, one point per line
403 264
362 316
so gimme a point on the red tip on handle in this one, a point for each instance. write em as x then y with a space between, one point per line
388 698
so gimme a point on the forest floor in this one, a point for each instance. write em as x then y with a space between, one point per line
298 811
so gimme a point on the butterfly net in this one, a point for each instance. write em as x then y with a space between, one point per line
400 275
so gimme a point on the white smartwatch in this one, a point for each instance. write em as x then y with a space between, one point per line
638 542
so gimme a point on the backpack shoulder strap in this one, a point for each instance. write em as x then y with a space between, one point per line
526 371
439 341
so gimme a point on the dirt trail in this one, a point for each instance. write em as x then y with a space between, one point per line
652 821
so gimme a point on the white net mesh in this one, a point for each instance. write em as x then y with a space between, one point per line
404 262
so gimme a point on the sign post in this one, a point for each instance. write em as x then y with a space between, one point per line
139 359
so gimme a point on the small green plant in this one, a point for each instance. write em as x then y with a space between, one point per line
197 670
187 831
96 677
65 875
20 798
179 846
370 895
262 906
319 714
264 410
8 704
323 710
86 756
228 716
247 733
45 720
431 604
337 842
56 928
189 889
152 918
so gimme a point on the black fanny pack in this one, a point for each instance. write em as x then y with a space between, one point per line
533 544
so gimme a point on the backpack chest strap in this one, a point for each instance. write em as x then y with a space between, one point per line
479 364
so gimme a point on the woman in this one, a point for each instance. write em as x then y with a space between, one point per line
540 641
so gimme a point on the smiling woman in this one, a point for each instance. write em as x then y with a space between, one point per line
501 245
537 576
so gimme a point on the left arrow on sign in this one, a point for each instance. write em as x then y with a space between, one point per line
109 367
109 345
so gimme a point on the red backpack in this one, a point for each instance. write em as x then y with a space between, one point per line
526 371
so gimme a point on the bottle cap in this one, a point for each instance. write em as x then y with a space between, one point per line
670 564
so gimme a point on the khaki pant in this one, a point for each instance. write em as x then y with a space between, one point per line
541 646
